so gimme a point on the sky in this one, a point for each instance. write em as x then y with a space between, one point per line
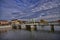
30 9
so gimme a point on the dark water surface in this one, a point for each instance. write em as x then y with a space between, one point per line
29 35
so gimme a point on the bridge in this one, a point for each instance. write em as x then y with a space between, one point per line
32 26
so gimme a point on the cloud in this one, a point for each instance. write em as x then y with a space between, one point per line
22 9
45 6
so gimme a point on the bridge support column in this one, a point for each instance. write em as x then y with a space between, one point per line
33 27
52 28
19 26
28 27
14 27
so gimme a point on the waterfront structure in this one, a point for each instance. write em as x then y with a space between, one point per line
57 22
16 21
4 22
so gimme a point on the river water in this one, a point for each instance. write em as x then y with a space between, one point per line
29 35
20 34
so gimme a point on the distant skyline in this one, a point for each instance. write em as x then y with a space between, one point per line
30 9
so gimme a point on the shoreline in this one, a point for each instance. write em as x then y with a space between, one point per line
5 28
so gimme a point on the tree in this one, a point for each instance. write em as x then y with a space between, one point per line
43 21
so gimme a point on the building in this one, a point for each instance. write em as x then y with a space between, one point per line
17 21
4 22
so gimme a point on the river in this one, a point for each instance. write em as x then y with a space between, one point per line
38 34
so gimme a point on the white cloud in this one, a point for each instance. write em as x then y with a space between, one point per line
45 6
51 16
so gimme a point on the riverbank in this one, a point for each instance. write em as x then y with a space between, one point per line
5 28
45 28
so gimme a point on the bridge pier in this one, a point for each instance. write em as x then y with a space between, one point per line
31 27
28 27
14 27
52 28
25 26
18 26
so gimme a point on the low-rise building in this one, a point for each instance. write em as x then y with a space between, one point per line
4 22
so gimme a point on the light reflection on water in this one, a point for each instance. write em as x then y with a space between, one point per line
29 35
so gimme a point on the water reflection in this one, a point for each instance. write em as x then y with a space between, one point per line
29 35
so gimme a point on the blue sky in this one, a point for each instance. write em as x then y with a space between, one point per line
29 9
